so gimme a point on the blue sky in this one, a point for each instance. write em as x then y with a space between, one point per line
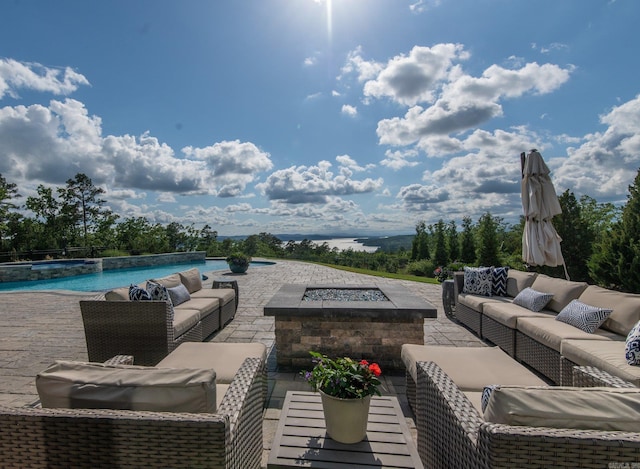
308 116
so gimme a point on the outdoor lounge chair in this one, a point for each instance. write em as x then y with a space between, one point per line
70 437
452 433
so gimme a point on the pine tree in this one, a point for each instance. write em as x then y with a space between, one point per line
577 237
440 256
468 245
615 262
452 241
488 241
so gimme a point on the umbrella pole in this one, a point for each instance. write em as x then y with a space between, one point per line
522 157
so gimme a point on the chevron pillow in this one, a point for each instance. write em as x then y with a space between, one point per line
137 293
532 299
632 346
499 283
585 317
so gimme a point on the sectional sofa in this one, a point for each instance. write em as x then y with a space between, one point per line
537 338
150 329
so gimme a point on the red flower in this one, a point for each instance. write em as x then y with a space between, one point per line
364 362
375 369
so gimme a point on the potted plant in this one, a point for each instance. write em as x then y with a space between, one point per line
238 262
346 386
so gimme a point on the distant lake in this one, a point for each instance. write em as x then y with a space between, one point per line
345 243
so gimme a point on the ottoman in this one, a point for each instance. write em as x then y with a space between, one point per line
471 368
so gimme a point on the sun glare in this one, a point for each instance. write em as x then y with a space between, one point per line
329 19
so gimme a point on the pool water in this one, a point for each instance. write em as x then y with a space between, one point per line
109 279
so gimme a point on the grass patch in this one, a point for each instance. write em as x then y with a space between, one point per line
377 273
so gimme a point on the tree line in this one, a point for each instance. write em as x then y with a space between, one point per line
601 242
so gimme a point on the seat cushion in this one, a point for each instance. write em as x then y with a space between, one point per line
551 333
508 314
224 295
477 302
606 409
471 368
184 319
606 355
191 279
226 358
71 385
205 306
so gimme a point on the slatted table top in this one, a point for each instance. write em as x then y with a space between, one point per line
301 439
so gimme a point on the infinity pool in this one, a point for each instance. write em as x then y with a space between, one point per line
108 279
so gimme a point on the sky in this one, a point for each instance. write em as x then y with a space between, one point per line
319 116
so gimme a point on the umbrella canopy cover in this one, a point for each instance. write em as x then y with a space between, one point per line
540 241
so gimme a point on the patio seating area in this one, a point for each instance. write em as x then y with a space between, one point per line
40 328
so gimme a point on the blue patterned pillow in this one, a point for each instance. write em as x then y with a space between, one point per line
478 280
499 283
179 294
137 293
486 395
532 299
158 292
632 346
585 317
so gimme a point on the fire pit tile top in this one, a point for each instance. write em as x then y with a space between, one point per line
398 301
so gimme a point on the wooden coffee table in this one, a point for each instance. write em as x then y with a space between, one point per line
301 439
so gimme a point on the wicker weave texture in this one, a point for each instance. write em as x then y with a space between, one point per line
589 376
542 358
499 334
81 438
470 318
451 433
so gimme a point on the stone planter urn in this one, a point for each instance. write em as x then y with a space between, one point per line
238 262
346 419
238 268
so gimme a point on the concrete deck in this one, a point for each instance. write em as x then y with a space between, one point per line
40 327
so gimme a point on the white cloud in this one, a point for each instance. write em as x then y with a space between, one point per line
349 110
16 75
364 70
397 160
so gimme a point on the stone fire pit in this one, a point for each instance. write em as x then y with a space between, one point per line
362 322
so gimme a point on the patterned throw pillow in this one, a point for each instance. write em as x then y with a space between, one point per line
486 395
632 346
478 280
137 293
532 299
158 292
499 283
585 317
179 294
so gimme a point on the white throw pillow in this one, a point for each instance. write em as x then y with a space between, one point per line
532 299
585 317
632 346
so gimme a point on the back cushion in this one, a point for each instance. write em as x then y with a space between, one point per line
191 279
608 409
518 281
625 306
563 290
83 385
169 281
117 294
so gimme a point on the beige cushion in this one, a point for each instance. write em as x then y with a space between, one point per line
205 306
476 302
626 307
475 397
508 314
224 295
518 281
117 294
226 358
607 356
607 409
184 319
96 386
471 368
172 280
191 279
551 333
563 290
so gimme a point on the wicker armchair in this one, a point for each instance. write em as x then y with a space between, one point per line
143 329
451 433
230 438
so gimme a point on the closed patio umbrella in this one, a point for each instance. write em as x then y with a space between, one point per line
540 241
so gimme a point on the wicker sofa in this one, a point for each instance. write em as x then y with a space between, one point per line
452 432
150 330
231 437
552 347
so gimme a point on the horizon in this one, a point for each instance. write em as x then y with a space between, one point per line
319 116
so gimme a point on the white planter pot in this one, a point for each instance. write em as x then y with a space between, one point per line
346 419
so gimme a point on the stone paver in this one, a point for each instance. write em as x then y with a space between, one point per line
40 327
